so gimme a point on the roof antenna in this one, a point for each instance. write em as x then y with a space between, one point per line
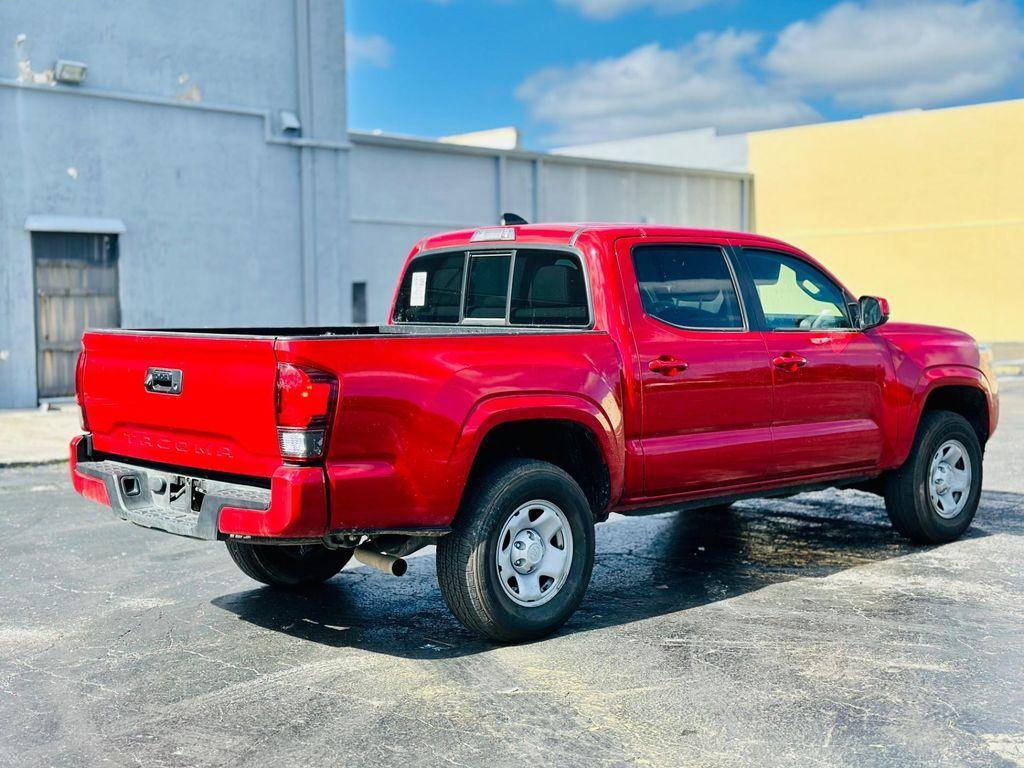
509 219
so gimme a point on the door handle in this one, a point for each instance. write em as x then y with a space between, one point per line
789 361
667 365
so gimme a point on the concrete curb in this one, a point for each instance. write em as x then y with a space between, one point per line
32 463
37 436
1009 368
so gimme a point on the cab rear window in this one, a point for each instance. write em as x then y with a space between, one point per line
521 288
487 287
431 291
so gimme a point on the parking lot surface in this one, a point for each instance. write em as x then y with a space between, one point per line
796 631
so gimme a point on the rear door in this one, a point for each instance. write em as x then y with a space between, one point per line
705 380
828 376
202 401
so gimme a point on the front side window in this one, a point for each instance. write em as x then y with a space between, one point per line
794 295
689 286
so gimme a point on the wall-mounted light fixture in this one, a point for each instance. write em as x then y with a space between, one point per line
69 72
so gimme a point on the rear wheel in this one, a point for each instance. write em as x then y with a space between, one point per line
520 554
932 498
288 566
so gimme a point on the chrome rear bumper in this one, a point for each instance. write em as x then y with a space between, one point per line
168 501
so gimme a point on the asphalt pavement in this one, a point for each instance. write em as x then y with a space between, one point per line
801 631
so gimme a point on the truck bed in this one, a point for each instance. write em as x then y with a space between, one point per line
405 396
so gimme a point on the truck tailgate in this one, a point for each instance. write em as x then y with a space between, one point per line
219 418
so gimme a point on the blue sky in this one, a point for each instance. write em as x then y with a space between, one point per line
575 71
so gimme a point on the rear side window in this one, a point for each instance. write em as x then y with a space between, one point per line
548 289
687 286
431 291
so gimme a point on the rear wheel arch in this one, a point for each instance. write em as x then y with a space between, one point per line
557 438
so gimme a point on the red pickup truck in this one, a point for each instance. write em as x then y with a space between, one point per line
531 380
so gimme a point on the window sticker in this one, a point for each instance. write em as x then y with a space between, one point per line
418 295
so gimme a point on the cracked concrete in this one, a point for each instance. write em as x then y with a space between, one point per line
798 631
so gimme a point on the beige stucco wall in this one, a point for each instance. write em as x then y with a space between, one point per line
924 208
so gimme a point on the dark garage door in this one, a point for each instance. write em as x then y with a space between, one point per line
76 288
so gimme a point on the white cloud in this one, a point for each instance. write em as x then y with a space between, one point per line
372 50
901 54
608 9
870 54
653 89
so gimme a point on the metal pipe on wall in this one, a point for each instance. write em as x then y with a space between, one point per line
307 199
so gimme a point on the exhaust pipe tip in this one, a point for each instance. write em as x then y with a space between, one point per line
389 564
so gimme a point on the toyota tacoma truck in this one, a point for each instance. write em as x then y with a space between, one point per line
530 380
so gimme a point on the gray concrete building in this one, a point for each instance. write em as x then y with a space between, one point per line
202 173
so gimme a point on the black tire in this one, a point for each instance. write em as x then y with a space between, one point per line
906 489
467 558
288 566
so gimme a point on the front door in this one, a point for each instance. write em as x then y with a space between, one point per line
705 381
828 375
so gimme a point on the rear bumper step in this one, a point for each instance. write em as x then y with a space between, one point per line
294 507
186 506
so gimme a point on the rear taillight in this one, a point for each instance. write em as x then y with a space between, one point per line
80 390
305 402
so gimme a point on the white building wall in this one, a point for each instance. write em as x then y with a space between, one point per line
700 148
404 189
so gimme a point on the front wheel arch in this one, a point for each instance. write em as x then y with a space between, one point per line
956 388
967 401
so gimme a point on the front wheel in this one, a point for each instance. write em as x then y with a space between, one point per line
519 557
287 565
932 498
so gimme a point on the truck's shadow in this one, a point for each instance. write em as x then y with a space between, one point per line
645 567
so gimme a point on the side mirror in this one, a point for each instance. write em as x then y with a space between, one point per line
873 311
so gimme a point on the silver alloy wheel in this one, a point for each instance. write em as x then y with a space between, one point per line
534 553
949 479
